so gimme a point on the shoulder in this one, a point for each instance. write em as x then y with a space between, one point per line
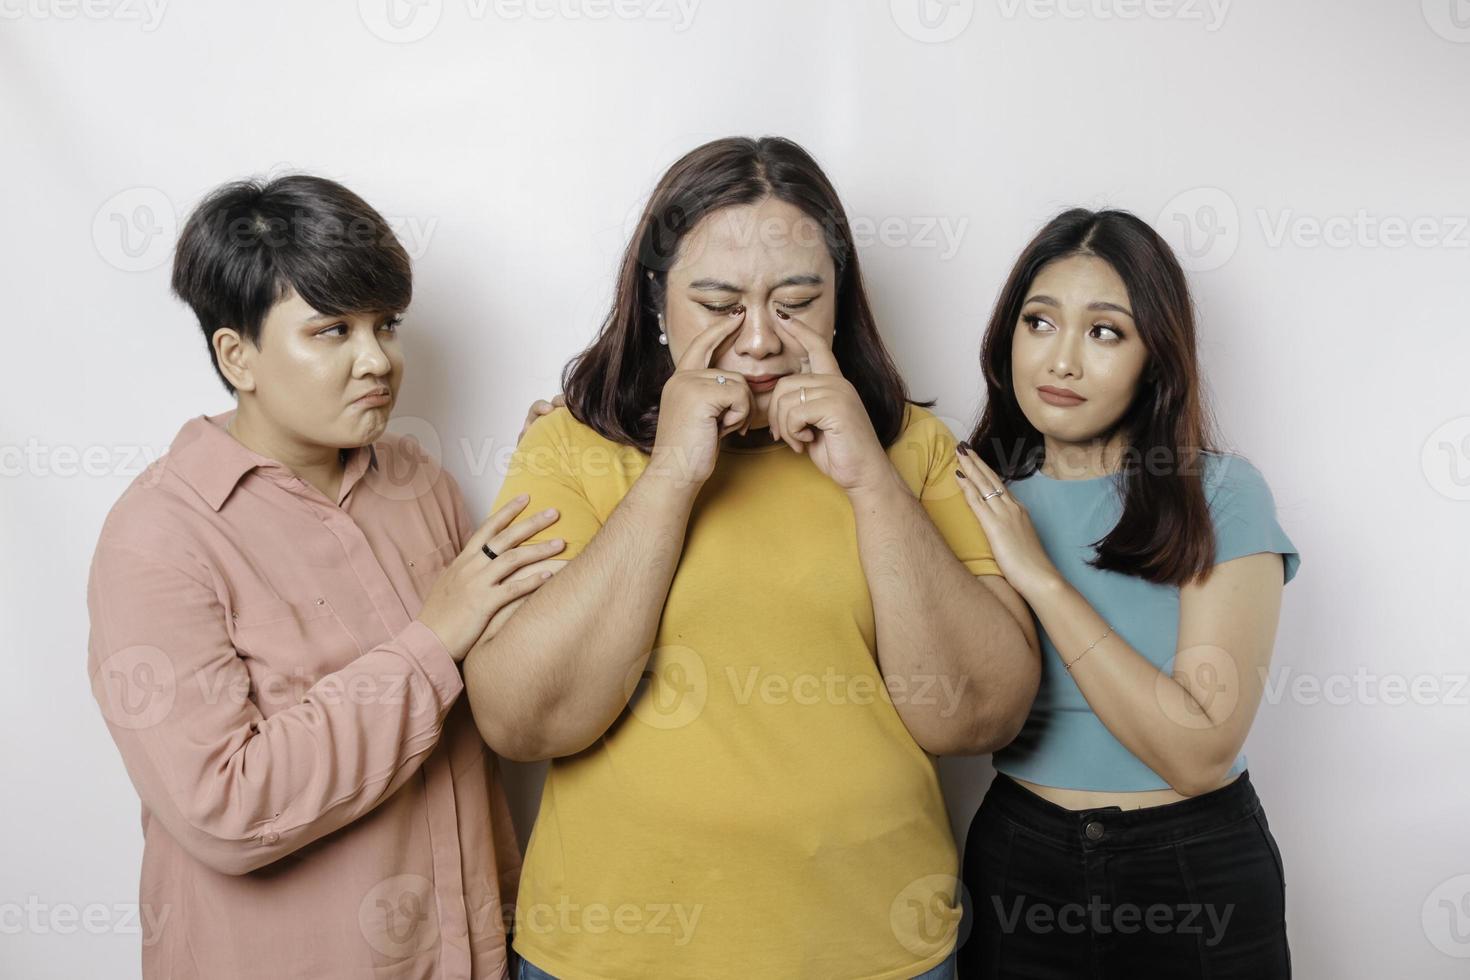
1243 510
558 445
1230 479
559 427
924 443
158 516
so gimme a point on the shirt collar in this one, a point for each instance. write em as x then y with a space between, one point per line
213 462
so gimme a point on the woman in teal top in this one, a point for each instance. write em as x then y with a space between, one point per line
1121 836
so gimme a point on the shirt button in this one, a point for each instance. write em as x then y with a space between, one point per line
410 564
321 602
1093 830
271 837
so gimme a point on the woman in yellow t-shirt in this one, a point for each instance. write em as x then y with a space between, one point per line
772 609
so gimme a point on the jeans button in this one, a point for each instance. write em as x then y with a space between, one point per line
1093 830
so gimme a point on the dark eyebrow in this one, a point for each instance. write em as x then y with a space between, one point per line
718 285
324 317
1114 307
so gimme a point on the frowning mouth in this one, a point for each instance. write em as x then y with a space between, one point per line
375 398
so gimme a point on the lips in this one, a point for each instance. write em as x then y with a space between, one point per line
1064 397
378 396
763 382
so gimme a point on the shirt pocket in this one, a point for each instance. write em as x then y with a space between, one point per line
288 646
425 567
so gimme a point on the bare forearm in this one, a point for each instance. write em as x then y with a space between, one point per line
559 672
940 631
1155 717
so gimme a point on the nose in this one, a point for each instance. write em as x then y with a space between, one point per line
371 360
1066 360
756 338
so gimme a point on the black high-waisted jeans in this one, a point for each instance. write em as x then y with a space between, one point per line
1187 889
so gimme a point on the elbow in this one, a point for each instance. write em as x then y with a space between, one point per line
1196 776
516 746
231 856
517 737
993 726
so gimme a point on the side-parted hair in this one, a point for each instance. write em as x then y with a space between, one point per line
249 243
1165 534
614 386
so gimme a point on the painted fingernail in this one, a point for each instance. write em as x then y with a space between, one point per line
964 449
959 474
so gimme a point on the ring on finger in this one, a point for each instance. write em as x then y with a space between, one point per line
488 553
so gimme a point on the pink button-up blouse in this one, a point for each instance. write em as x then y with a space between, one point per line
317 801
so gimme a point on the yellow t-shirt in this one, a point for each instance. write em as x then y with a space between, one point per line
760 810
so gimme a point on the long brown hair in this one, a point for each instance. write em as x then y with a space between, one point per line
615 384
1165 533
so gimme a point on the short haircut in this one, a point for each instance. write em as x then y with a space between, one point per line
249 243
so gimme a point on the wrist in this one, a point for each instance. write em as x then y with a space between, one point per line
884 490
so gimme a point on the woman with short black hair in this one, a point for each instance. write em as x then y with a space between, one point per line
279 608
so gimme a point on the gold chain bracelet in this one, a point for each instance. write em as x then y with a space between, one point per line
1089 649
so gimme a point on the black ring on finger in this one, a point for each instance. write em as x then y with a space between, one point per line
488 553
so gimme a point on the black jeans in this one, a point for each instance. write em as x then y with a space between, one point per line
1187 889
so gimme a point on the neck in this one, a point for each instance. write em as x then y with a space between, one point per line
320 466
1083 460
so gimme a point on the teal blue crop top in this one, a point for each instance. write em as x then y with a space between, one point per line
1063 743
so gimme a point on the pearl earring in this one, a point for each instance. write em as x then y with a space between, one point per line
663 338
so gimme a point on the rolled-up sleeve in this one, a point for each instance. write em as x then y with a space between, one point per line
237 789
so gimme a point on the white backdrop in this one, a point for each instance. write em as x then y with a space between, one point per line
1308 159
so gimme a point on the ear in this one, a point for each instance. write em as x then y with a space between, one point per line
234 356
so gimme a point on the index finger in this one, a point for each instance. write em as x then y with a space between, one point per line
697 355
497 522
819 352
